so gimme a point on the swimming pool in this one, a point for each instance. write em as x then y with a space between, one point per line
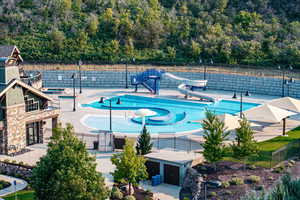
172 116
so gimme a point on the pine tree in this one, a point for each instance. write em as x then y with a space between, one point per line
144 144
244 145
67 171
130 167
214 134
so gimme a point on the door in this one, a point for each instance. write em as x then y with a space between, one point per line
153 168
2 143
119 143
33 133
171 174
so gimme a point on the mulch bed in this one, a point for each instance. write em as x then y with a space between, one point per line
227 170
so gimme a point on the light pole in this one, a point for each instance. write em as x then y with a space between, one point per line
241 102
110 120
74 103
110 116
79 67
288 83
126 73
284 82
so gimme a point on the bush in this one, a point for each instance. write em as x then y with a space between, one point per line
4 184
129 197
259 187
212 194
236 181
116 193
225 184
279 169
227 192
253 179
252 167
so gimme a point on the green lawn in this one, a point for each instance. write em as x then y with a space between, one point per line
21 195
269 146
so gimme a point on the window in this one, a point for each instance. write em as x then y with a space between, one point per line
31 105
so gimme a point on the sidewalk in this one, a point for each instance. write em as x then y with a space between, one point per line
21 184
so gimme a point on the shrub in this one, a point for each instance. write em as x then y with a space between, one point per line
227 192
253 179
4 184
212 194
279 169
292 162
129 197
21 163
116 193
259 187
225 184
236 181
13 162
252 167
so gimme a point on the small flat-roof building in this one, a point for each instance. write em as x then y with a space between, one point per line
23 107
171 165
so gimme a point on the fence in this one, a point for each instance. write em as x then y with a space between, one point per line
290 150
102 141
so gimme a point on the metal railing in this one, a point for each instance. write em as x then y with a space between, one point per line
286 152
32 78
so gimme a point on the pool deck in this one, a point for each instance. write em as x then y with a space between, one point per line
90 95
104 165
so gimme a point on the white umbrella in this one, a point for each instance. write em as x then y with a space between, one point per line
143 113
269 114
232 122
286 103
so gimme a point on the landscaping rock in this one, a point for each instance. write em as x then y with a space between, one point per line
192 182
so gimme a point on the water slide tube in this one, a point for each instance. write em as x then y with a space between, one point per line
186 87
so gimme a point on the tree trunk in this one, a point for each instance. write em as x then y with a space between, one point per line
129 189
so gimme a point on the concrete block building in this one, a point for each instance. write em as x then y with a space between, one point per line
24 108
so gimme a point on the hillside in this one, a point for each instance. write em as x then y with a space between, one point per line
255 32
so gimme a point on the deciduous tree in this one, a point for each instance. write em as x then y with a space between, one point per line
67 171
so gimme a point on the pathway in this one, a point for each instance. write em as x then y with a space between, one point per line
21 184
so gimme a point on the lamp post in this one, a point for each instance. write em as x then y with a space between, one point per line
126 74
110 115
79 67
74 103
284 82
288 83
241 102
110 120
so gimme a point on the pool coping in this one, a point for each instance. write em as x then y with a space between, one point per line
183 133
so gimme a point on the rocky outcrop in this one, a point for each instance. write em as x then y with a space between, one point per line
191 187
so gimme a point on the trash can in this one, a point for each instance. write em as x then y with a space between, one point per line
96 145
155 180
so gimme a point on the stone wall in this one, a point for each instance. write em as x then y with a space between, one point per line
16 122
15 128
216 81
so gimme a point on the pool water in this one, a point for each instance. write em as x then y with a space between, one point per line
172 116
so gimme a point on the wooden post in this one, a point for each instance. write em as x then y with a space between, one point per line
283 128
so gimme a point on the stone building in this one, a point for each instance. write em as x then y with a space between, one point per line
24 108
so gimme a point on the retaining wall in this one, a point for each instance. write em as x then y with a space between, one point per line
217 81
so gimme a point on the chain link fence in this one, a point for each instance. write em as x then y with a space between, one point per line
242 70
290 150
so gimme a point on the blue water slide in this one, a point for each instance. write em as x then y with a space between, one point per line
150 79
